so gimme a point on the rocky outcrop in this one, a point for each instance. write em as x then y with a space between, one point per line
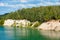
50 25
8 22
23 23
20 23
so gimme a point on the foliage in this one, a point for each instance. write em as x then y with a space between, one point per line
35 24
41 14
1 22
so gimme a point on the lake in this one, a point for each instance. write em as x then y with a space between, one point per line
11 33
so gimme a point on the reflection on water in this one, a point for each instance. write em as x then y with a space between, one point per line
51 34
10 33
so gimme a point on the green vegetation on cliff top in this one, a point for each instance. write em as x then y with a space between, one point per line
41 14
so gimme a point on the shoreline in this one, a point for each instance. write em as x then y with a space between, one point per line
52 25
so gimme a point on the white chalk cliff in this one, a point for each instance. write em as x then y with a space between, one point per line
8 22
23 23
50 25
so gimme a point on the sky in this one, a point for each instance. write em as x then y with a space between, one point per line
7 6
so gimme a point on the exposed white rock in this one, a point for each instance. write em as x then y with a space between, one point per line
8 22
22 23
50 25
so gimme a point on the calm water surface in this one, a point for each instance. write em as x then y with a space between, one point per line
10 33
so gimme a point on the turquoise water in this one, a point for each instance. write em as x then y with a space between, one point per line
10 33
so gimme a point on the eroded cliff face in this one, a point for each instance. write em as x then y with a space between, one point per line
22 23
50 25
8 22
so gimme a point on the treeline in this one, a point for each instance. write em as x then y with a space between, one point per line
41 14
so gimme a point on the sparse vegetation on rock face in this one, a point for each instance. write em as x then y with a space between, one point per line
35 24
